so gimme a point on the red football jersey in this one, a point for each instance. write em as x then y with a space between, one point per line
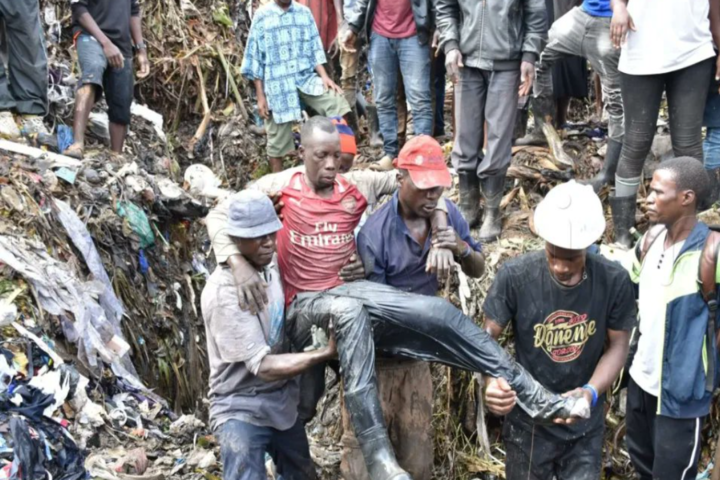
318 235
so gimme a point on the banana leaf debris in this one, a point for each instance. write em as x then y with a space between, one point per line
103 369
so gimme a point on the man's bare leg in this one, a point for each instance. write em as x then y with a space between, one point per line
117 137
84 103
276 164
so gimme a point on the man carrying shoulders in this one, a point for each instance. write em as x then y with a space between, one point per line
571 313
253 385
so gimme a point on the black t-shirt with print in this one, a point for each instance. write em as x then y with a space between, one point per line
560 331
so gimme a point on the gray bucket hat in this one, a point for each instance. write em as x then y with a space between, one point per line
251 215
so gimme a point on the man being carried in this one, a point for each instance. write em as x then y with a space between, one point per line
675 369
284 57
394 245
253 384
106 36
316 248
571 313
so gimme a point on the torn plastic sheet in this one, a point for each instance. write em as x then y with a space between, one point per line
82 240
59 290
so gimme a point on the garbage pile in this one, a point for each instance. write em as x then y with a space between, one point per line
101 268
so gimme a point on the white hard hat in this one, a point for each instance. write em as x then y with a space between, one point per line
570 216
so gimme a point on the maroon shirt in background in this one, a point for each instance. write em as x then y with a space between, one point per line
394 19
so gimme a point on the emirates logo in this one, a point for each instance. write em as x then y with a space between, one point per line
563 335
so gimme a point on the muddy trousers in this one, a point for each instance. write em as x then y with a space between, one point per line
23 87
368 316
661 448
579 33
533 457
686 91
243 447
406 393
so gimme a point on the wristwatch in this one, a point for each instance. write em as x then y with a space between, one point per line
140 46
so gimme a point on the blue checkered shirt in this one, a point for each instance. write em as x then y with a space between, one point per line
283 49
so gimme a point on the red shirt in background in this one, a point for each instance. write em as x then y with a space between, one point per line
318 235
325 19
394 19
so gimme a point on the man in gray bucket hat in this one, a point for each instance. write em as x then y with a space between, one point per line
253 380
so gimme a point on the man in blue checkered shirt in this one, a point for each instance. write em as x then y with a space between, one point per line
284 57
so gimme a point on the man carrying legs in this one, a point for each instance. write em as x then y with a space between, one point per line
253 377
571 314
583 31
106 36
394 245
490 51
400 33
23 87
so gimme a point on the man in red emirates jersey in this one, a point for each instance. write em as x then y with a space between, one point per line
324 283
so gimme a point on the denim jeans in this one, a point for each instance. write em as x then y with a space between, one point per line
413 59
711 148
579 33
243 447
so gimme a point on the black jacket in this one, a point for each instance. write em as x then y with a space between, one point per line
493 34
362 17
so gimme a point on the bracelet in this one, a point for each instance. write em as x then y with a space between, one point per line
466 253
140 46
594 393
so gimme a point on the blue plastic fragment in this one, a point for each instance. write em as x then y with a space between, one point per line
65 137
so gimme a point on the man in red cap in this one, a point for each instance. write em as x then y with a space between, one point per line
394 245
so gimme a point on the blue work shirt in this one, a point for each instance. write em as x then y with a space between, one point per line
392 256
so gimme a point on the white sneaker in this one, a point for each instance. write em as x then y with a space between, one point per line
8 127
33 124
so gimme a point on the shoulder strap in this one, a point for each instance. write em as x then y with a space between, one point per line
707 266
643 246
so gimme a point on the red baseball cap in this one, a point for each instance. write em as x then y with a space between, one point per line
423 158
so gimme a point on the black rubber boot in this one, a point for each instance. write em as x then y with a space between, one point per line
374 124
492 191
606 176
543 111
367 419
469 203
623 215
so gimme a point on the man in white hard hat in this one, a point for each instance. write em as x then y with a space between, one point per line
571 313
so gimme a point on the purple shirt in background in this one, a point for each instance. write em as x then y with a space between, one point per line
393 257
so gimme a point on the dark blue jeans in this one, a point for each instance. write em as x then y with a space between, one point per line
243 447
413 60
